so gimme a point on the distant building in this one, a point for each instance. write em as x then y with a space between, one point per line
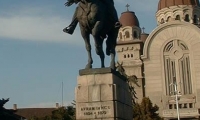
27 113
171 52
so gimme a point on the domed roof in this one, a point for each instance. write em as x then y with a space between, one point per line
167 3
129 18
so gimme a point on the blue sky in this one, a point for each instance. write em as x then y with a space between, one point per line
36 56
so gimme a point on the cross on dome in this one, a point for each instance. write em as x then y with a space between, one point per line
127 6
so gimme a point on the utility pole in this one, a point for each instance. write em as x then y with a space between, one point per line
62 94
174 84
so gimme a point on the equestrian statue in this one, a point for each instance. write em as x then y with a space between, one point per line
98 18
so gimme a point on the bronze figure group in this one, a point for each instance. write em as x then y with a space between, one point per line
98 18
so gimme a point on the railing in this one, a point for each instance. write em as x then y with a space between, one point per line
181 105
186 105
190 112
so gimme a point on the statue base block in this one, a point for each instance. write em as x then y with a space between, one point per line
102 94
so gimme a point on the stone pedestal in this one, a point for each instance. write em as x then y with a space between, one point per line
102 94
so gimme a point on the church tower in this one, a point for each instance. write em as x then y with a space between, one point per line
171 59
182 10
129 48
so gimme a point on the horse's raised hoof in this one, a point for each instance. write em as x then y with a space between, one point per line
69 30
88 66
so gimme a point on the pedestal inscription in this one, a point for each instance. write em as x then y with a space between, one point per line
95 110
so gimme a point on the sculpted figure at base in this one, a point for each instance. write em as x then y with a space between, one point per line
131 80
92 16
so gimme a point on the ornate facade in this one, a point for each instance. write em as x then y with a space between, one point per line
169 54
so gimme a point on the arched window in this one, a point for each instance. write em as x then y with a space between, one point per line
162 21
177 65
135 34
195 19
169 19
187 18
120 35
178 17
127 34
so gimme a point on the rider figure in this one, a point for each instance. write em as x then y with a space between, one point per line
112 12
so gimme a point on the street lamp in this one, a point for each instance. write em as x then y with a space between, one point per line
176 96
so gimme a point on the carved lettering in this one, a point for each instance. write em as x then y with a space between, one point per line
87 113
95 110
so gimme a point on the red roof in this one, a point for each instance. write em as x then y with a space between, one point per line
37 112
167 3
129 18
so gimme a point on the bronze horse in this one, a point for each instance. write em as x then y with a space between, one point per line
93 19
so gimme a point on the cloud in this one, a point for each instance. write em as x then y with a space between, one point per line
35 24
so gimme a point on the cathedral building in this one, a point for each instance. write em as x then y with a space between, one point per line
166 61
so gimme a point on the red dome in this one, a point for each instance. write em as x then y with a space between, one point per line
129 18
167 3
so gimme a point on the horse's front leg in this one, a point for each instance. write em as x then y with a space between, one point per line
99 50
86 37
96 32
90 61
